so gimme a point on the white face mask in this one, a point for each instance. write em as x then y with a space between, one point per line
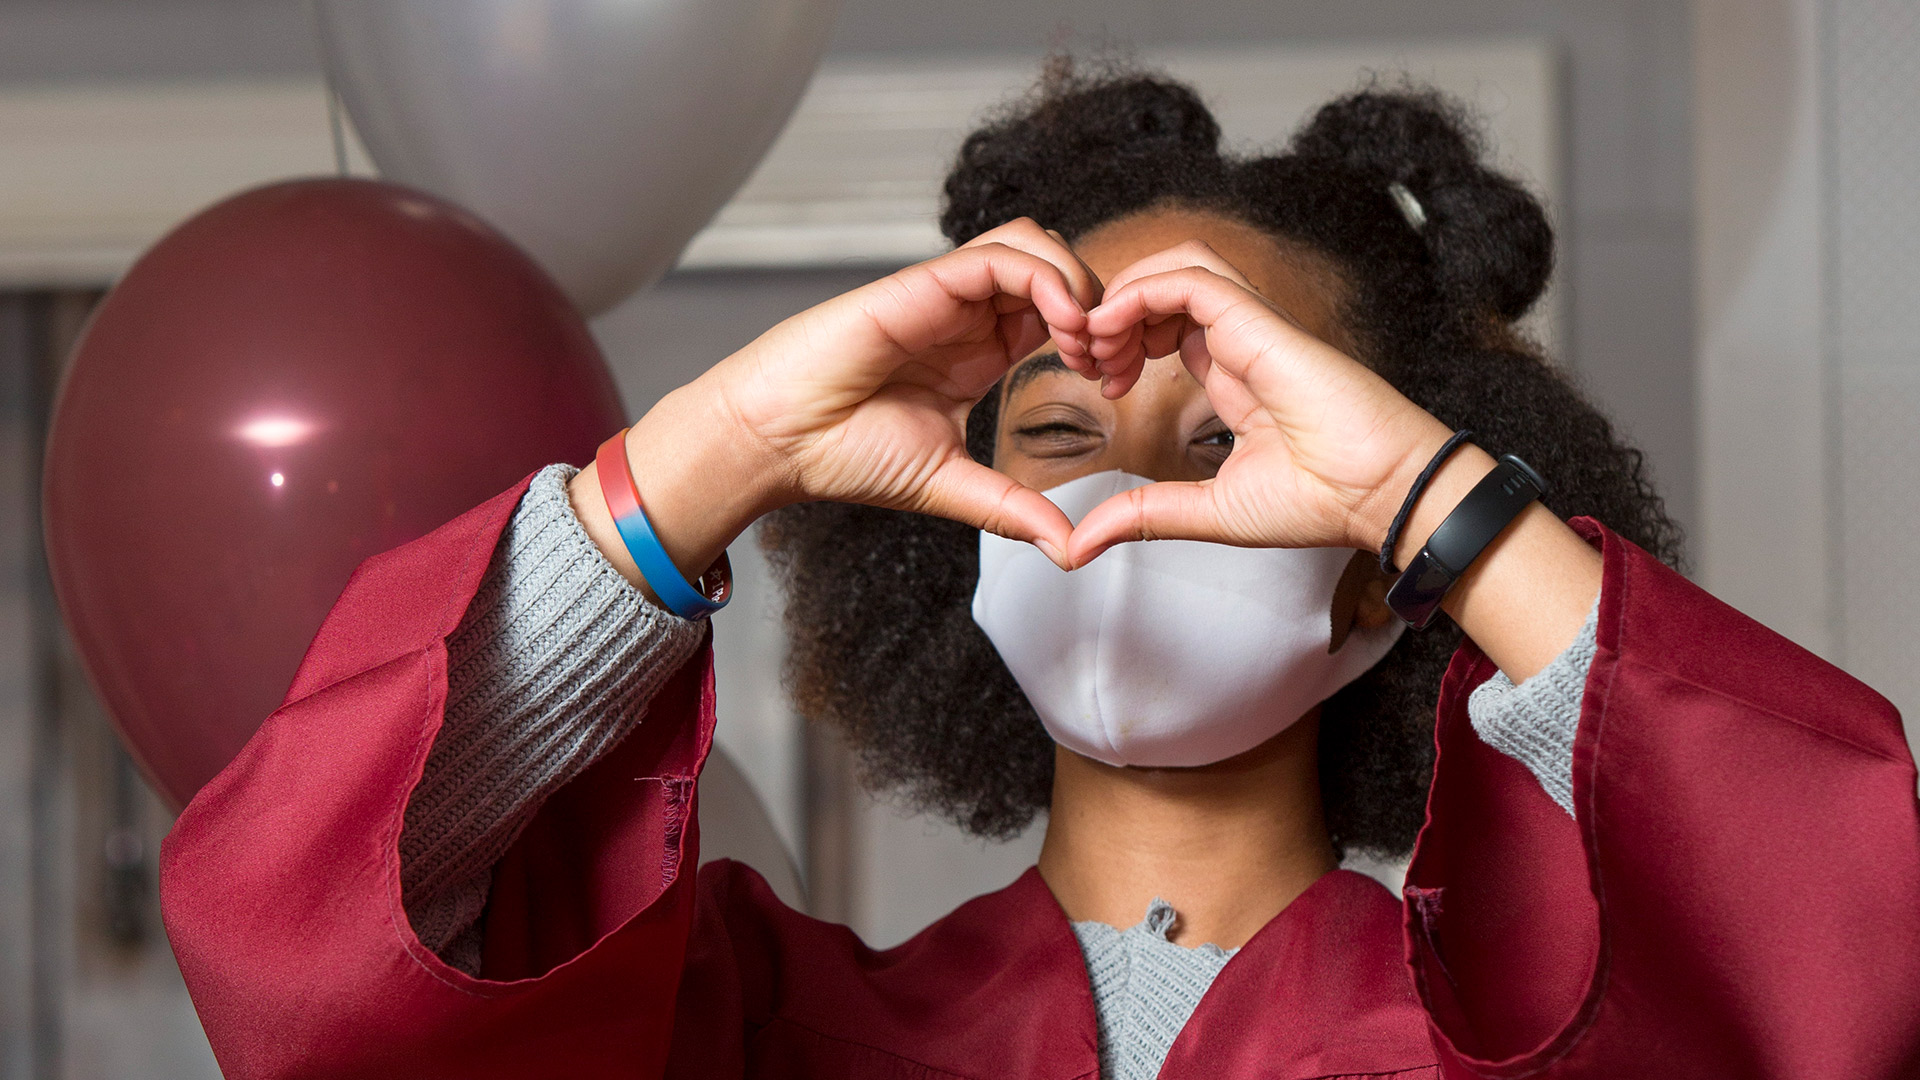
1169 653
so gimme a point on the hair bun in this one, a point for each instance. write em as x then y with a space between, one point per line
1491 245
1119 134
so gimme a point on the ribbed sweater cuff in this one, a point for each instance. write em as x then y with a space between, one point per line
1535 722
552 665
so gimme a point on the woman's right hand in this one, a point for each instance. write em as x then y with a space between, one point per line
861 399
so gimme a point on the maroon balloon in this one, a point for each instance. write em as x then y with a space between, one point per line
300 377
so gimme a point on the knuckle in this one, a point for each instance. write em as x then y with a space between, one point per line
997 518
1142 524
1019 230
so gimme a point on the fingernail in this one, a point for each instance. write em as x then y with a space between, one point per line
1051 552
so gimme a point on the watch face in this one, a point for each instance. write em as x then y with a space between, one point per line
1416 593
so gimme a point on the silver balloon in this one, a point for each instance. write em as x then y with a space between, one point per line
599 134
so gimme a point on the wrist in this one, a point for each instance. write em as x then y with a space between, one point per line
702 482
699 485
1455 478
1373 517
1524 597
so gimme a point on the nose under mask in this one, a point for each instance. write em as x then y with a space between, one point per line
1170 652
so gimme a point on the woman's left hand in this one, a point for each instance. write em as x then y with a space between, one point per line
1324 452
1324 449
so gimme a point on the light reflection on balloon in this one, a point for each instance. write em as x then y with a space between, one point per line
276 431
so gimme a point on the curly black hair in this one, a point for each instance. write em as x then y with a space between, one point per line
883 643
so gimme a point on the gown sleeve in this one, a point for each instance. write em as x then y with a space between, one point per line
554 662
281 883
1737 891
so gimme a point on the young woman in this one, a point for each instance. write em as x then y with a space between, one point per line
1653 837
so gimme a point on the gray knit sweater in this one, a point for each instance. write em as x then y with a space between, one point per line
1144 988
557 658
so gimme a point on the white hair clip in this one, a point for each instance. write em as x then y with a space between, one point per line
1410 207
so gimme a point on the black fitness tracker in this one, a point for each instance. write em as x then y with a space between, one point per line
1490 507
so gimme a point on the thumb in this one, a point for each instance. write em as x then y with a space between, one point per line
1163 511
968 492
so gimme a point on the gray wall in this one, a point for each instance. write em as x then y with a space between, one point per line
1809 265
1870 81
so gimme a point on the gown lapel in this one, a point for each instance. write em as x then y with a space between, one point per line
996 988
999 987
1322 990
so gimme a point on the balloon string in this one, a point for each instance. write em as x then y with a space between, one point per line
339 126
336 122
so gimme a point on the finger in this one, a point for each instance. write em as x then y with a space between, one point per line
1026 235
1112 354
1072 347
1120 360
1121 373
1163 511
1095 288
1195 356
968 492
1212 305
1024 331
1191 253
1161 335
1083 364
1193 291
920 300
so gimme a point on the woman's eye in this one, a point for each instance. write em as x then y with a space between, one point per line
1057 438
1212 449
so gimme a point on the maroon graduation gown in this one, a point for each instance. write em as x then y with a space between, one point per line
1738 895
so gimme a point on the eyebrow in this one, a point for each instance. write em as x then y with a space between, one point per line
1044 364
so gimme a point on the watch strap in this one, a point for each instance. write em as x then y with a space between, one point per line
1488 509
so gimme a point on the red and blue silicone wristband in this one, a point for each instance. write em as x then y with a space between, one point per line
689 600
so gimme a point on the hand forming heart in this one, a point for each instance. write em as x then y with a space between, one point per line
1323 447
865 399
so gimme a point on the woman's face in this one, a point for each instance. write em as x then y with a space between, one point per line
1055 426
